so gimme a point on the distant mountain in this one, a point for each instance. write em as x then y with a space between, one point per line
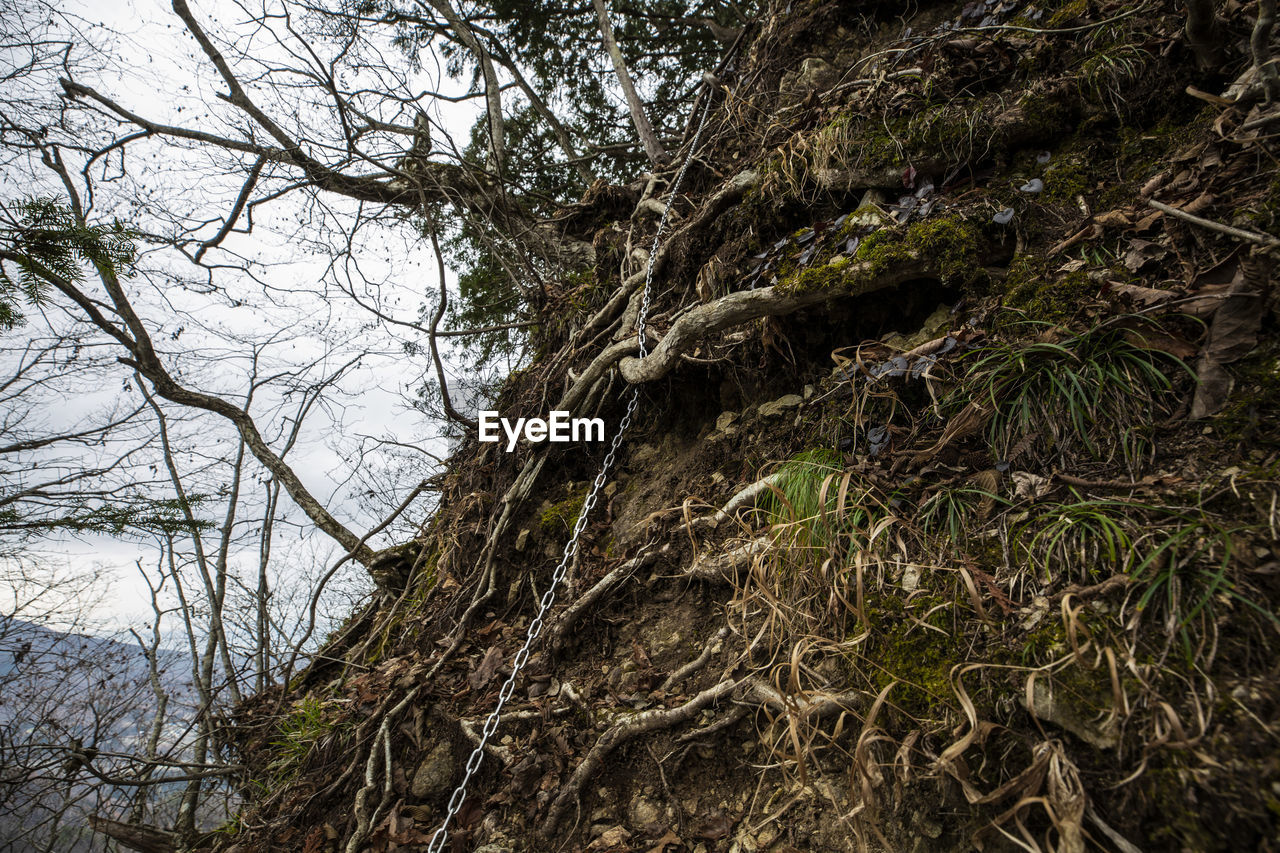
63 696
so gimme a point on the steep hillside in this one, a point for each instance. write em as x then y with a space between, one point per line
946 518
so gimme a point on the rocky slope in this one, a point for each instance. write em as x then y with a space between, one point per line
947 518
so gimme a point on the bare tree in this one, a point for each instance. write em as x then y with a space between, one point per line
652 147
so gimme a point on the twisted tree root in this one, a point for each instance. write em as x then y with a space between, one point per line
620 733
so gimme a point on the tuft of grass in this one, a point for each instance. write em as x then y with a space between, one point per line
954 514
307 723
1089 396
1088 535
802 496
1178 558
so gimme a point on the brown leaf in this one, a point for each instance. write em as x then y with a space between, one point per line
487 669
1232 336
314 842
664 842
1113 219
1141 253
639 655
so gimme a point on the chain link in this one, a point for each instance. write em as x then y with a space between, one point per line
571 548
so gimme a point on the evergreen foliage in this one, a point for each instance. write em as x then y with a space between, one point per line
40 239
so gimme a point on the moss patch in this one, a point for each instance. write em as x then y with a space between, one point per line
563 514
1032 289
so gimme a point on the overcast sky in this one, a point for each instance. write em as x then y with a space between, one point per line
155 68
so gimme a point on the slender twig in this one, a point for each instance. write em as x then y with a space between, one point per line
315 596
1260 45
449 410
1240 233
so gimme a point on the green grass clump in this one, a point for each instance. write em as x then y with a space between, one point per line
1090 396
803 495
308 722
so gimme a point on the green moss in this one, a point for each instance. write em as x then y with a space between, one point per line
919 658
1030 288
951 247
563 515
1067 179
955 246
1069 13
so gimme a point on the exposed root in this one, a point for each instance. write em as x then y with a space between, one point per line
747 497
1260 44
730 719
620 733
697 663
724 198
804 708
746 305
499 752
569 618
364 818
729 565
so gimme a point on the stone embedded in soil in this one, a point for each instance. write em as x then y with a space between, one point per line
780 405
434 773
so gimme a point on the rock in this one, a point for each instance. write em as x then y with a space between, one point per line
493 848
780 405
614 837
815 75
1047 706
725 426
910 578
434 773
937 323
644 812
522 539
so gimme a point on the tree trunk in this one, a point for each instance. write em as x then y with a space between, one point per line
645 130
1204 34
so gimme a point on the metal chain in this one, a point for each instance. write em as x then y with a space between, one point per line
571 548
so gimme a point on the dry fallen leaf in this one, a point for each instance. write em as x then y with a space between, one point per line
1232 336
487 669
668 840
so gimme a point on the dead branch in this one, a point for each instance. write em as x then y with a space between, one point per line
445 400
1239 233
620 733
145 839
